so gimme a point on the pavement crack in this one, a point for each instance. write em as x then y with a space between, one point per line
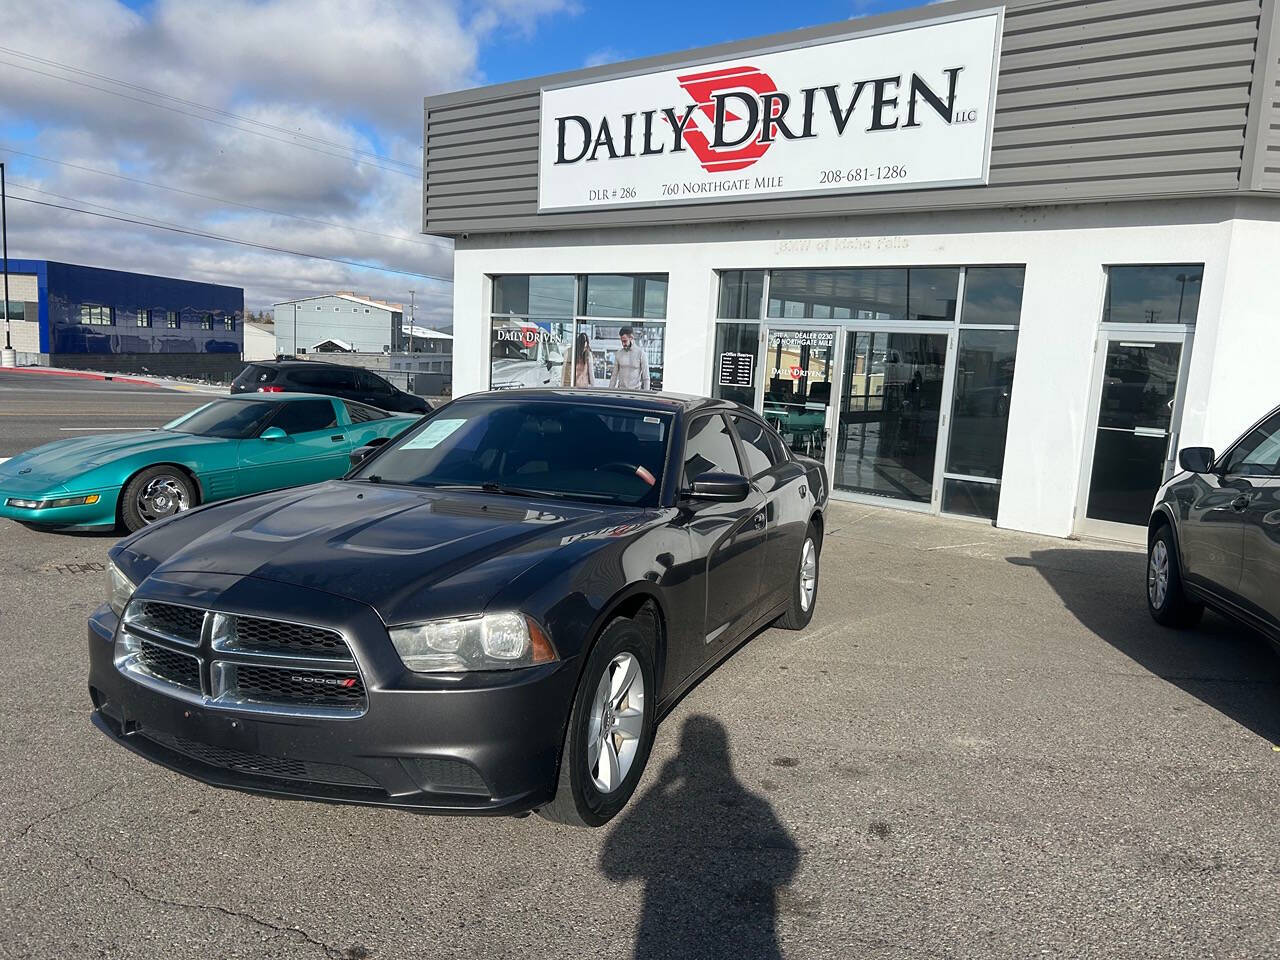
25 832
129 884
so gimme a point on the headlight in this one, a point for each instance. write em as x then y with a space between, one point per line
119 588
493 641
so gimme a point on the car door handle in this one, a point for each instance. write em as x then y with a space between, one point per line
1241 503
760 520
337 438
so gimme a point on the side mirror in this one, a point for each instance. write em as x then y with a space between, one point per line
1196 459
360 454
273 433
720 488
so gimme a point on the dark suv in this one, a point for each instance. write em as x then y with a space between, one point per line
1215 534
331 379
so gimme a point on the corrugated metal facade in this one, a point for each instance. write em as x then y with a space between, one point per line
1096 100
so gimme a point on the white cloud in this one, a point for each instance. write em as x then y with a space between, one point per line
599 58
350 72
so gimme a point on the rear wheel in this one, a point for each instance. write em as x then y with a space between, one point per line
1166 597
153 494
610 729
804 591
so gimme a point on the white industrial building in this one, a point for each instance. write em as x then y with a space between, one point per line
368 326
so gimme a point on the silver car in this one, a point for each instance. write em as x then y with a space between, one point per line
1214 535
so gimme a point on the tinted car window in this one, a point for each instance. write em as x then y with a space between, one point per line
226 419
362 413
304 416
574 450
254 375
1258 454
324 378
372 383
709 449
760 453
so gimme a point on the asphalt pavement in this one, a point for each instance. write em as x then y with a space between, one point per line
36 408
981 747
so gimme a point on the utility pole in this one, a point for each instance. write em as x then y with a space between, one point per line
10 358
410 321
295 329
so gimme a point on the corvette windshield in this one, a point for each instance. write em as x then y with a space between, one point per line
227 419
534 447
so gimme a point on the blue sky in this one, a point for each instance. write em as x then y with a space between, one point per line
608 32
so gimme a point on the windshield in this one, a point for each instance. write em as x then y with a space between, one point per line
228 419
533 447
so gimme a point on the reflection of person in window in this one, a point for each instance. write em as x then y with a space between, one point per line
581 374
630 364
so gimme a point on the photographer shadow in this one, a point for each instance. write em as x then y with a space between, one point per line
712 856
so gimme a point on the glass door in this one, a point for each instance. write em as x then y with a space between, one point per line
799 369
1138 398
890 414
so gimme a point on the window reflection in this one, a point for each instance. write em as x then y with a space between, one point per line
992 295
980 402
1154 294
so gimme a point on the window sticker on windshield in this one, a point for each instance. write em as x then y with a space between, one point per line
437 430
652 420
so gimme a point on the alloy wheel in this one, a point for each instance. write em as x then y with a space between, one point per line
616 724
1158 574
163 496
808 574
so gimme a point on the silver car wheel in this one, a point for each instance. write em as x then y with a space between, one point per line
808 574
1158 574
163 496
617 721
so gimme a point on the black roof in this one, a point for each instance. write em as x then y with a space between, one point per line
647 400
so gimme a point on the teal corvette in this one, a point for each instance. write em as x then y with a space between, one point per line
226 448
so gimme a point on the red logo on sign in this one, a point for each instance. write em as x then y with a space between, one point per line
797 373
703 87
529 336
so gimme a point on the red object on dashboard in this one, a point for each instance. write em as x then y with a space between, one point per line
271 389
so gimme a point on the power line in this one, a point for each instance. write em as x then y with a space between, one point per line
431 242
244 243
186 113
197 104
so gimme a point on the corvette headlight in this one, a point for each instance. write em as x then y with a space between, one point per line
119 588
492 641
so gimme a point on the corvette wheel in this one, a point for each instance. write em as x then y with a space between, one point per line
154 494
804 592
610 729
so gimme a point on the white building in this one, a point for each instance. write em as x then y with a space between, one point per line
370 326
259 341
993 262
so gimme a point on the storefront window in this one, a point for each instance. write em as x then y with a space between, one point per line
740 294
617 337
733 364
992 296
926 293
931 294
1165 294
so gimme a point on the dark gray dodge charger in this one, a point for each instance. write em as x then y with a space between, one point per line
489 614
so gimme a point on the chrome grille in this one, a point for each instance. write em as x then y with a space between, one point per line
171 666
277 636
240 662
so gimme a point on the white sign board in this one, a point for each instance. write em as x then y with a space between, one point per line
903 109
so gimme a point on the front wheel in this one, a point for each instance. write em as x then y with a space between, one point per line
154 494
804 590
610 728
1167 599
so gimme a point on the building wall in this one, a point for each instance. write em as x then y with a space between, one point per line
70 286
368 329
1231 379
259 342
1096 100
25 334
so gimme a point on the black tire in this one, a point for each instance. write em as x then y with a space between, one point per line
578 801
1172 608
799 613
133 516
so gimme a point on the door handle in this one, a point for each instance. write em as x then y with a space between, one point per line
338 438
1241 503
760 521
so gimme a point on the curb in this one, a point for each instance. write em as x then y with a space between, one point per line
80 374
